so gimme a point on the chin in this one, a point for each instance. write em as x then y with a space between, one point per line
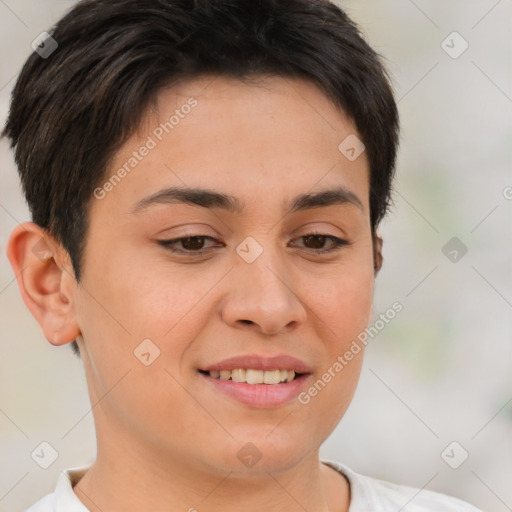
252 455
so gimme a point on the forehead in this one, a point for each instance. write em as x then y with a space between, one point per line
272 137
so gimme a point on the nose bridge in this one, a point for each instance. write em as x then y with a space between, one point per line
264 293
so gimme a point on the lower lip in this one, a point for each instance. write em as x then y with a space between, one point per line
259 395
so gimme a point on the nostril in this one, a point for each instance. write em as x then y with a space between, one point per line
246 321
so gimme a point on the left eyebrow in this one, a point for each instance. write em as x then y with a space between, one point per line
337 196
211 199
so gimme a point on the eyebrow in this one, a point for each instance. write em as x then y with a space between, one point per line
211 199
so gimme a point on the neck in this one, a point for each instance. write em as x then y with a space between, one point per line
127 479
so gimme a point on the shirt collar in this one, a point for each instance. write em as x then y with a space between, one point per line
65 498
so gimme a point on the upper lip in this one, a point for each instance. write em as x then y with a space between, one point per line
256 362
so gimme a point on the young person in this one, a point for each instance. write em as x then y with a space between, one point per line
206 179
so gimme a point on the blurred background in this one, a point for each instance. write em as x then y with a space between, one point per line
434 404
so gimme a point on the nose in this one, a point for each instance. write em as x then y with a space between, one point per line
262 297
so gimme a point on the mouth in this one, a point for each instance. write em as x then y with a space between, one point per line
261 382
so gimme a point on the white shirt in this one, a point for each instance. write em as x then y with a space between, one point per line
367 495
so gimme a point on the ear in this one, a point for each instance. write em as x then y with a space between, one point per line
46 281
377 253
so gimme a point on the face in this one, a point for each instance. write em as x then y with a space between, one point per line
217 257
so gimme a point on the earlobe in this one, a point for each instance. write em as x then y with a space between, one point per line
45 281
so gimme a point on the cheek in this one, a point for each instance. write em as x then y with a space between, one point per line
169 304
343 302
343 306
124 305
139 296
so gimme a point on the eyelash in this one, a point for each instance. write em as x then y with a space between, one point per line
339 243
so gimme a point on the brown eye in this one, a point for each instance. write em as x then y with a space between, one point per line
316 242
189 244
193 243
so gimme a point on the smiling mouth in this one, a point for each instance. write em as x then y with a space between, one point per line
252 376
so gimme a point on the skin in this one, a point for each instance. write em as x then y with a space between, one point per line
166 439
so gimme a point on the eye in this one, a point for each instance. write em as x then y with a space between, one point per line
189 244
194 245
317 241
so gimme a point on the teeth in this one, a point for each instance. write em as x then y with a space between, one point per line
238 375
251 376
254 377
272 377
